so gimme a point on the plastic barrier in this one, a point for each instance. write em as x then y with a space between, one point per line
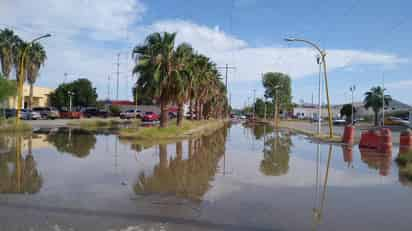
347 154
379 140
405 142
349 134
380 161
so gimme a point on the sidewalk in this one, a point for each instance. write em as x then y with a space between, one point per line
309 127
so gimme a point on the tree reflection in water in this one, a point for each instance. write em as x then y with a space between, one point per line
276 154
187 178
74 141
18 173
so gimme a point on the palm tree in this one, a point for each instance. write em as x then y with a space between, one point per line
36 56
8 41
182 84
373 99
156 64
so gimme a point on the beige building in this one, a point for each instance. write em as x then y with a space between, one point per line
40 97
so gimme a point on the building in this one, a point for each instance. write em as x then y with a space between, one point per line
40 97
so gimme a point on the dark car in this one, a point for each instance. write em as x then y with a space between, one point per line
8 113
94 112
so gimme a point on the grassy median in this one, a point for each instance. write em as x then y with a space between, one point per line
404 161
102 123
188 129
9 125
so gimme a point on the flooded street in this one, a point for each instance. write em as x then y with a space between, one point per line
239 178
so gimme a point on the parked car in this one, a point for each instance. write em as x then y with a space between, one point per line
150 117
94 112
131 114
8 113
26 114
338 121
172 115
190 115
396 121
47 112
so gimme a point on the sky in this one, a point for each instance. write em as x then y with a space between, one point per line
367 42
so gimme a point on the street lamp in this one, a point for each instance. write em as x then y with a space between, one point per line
21 75
352 89
70 93
323 58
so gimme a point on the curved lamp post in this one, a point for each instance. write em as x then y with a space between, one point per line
323 57
21 75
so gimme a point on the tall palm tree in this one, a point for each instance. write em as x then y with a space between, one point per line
182 82
8 41
36 56
156 64
374 99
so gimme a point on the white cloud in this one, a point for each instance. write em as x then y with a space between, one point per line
402 84
251 61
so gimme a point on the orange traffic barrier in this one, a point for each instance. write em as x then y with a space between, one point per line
379 140
377 160
405 143
349 134
347 154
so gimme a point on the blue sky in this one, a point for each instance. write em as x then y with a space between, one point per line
364 40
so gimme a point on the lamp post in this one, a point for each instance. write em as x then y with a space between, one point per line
21 75
323 59
352 89
70 93
276 106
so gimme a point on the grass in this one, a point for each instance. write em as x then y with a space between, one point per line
102 123
188 129
9 125
406 171
404 159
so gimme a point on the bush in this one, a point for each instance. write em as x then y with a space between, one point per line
114 110
9 125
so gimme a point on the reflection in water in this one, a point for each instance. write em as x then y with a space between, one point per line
319 205
348 155
188 178
18 173
74 141
378 161
276 154
259 131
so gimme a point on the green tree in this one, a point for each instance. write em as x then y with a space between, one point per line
346 111
7 88
8 43
374 99
36 56
84 94
155 64
279 84
74 141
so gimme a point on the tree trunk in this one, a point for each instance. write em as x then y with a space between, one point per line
30 97
163 114
376 118
197 110
163 163
179 114
179 150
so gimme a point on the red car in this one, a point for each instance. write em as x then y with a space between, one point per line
150 116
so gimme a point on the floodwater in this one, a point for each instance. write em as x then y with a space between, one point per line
239 178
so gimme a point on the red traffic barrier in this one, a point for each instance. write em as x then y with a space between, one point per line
347 154
71 115
379 140
405 142
349 134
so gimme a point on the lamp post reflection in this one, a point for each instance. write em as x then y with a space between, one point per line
318 209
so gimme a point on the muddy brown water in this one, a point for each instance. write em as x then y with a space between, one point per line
239 178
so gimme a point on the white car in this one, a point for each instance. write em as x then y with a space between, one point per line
131 114
26 114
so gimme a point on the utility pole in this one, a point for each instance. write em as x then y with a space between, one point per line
117 73
227 67
383 99
254 103
108 87
352 89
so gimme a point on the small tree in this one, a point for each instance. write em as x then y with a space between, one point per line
7 88
346 111
373 99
